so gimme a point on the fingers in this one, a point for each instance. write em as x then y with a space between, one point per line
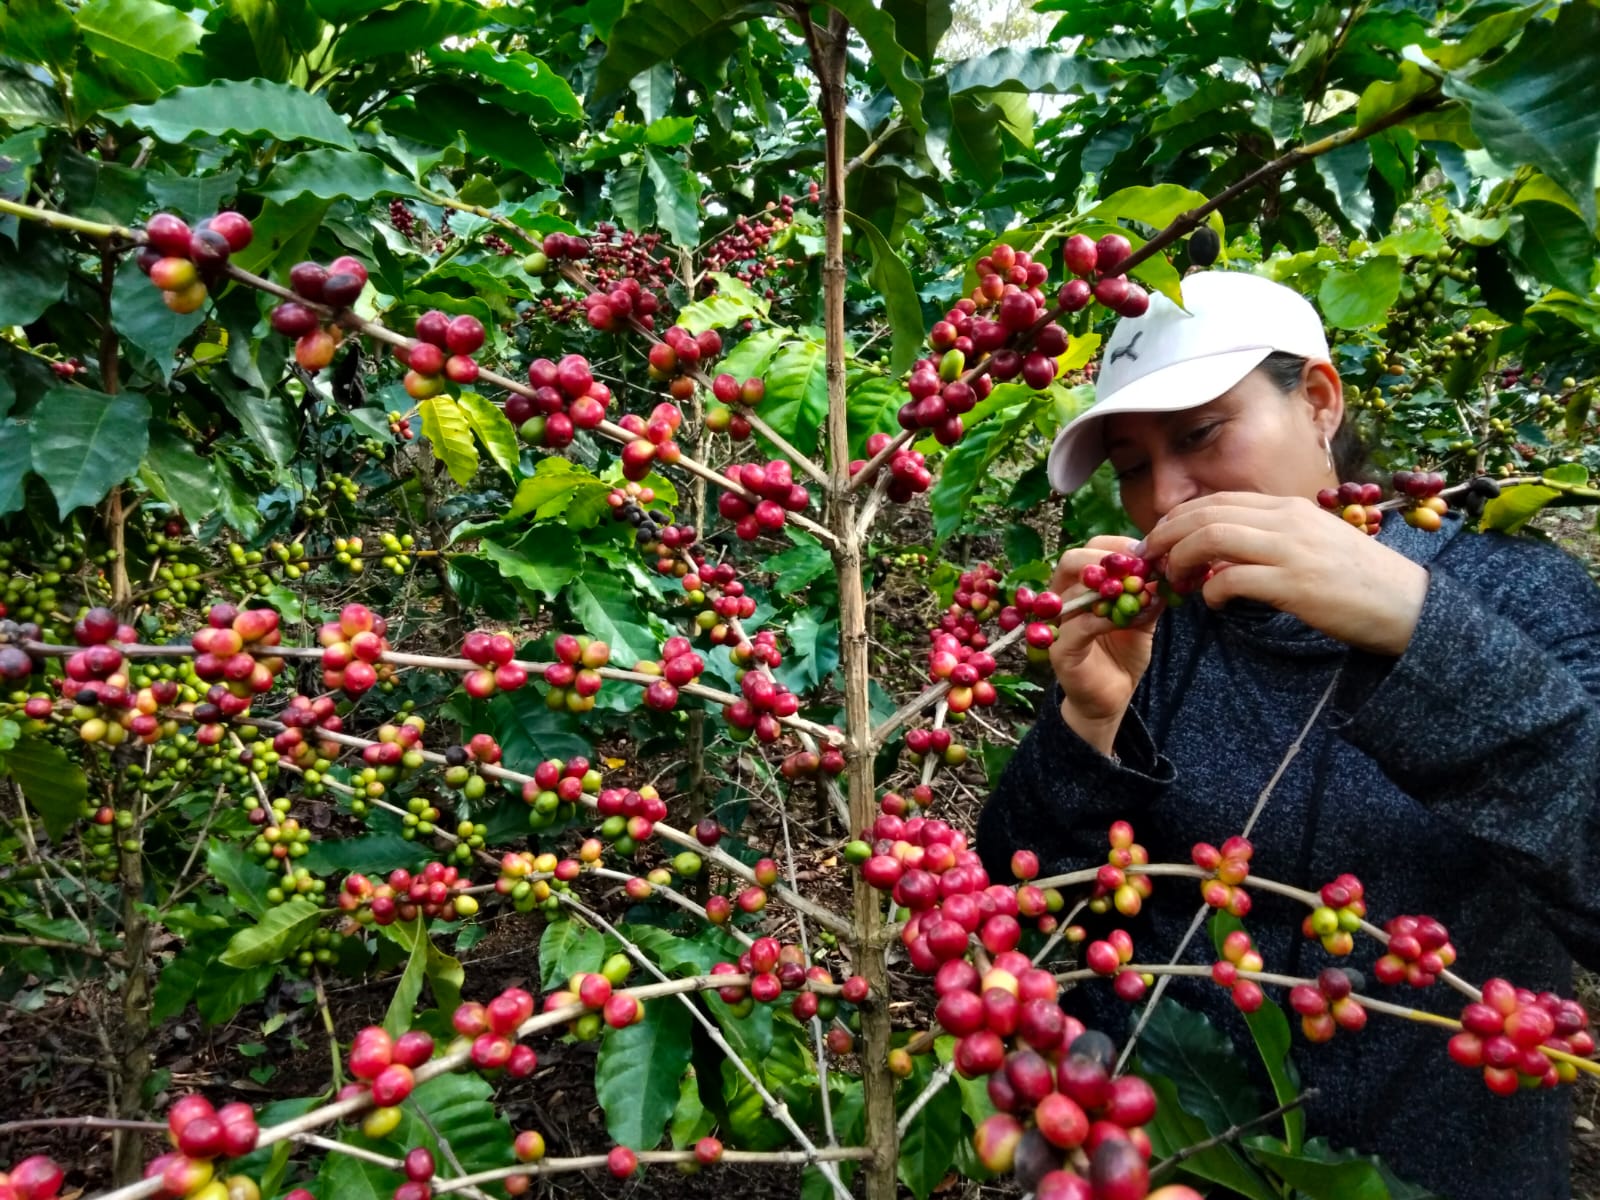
1193 516
1071 564
1222 543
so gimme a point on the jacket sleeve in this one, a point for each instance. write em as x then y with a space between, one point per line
1058 794
1491 718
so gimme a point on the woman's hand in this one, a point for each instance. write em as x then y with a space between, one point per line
1099 665
1287 552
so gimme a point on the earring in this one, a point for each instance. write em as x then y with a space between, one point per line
1328 450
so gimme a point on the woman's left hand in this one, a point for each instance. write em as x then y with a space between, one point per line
1287 552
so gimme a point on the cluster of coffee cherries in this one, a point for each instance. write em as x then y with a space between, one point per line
557 787
492 653
1067 1128
921 743
201 1135
610 311
628 813
493 1029
597 992
566 397
336 285
1328 1005
778 495
1128 585
1097 261
763 704
1239 953
525 877
652 440
221 645
678 354
442 353
1419 951
1429 507
1503 1034
183 261
1040 611
460 762
940 393
731 395
384 1070
1356 504
908 468
300 715
1115 885
743 249
352 650
280 837
777 967
806 763
435 892
574 677
15 662
654 531
679 665
718 584
1334 922
1109 957
1229 868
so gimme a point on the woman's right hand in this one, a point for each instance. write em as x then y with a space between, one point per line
1099 665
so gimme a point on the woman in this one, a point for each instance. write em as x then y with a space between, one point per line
1452 767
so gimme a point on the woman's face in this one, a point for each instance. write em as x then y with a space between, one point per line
1252 438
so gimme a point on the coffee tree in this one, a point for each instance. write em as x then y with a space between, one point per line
447 451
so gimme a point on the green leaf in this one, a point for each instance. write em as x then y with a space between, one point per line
566 947
968 462
798 566
1515 506
529 733
1326 1179
653 31
403 1004
371 854
445 425
677 194
1487 33
1552 242
1173 1129
637 1071
140 316
1155 206
929 1145
408 27
245 880
50 781
1354 299
691 1121
1042 71
555 483
268 422
542 562
279 933
443 973
85 443
189 481
891 278
877 29
796 401
1540 103
1202 1063
178 980
330 174
1270 1030
35 272
606 607
38 31
489 422
527 84
141 35
16 460
250 108
732 302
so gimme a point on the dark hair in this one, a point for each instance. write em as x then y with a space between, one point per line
1350 455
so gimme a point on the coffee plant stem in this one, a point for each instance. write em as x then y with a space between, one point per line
56 220
82 1123
777 1108
592 1162
1232 1133
935 692
670 894
687 840
818 1043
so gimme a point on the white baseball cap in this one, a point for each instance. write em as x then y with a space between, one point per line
1174 358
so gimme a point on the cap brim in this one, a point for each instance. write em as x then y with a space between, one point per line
1079 447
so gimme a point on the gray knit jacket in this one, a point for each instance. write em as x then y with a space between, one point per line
1459 780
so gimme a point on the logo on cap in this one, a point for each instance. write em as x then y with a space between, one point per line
1127 351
